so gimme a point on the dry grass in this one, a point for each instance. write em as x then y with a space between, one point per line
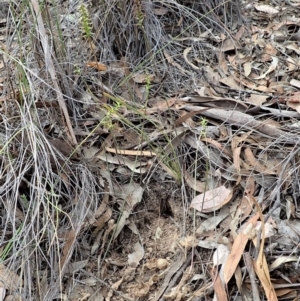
46 196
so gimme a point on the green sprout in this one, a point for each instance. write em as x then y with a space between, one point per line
203 123
86 25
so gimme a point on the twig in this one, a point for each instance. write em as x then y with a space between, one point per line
179 273
249 266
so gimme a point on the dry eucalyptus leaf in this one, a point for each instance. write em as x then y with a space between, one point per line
269 229
238 246
290 207
295 83
121 223
212 222
266 9
278 262
230 82
247 68
193 183
220 254
137 167
212 200
132 226
68 247
257 99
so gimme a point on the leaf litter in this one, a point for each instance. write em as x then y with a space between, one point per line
179 179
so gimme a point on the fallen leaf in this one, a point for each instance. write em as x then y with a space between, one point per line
257 99
290 207
220 254
292 64
282 260
229 45
294 101
244 120
135 257
247 68
217 145
269 51
295 83
101 221
9 280
212 200
130 152
271 68
260 265
253 163
286 292
173 269
207 244
240 33
194 183
68 248
230 82
131 194
114 287
238 248
262 271
269 229
212 222
135 166
266 9
219 287
97 65
185 54
63 146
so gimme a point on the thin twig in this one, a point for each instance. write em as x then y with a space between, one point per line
249 266
179 273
